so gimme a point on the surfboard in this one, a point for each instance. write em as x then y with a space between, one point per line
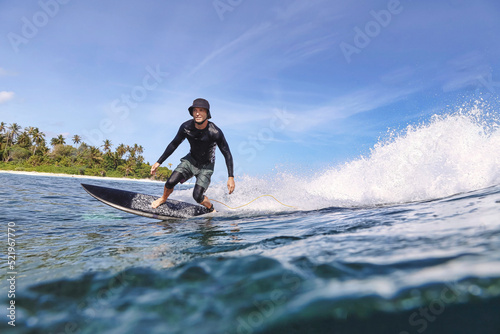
140 204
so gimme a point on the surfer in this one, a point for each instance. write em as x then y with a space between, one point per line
203 136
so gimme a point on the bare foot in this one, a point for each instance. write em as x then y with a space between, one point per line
158 202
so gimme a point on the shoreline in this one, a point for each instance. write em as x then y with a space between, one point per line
76 176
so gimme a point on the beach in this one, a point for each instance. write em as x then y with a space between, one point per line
77 176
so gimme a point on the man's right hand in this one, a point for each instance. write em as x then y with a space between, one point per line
154 168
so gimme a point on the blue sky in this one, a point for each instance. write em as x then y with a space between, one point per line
294 85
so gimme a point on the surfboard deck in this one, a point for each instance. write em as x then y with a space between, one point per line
140 204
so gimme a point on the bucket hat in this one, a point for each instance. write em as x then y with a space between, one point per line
200 103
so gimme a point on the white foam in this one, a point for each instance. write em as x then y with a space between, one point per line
452 153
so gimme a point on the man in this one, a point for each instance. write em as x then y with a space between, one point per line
203 136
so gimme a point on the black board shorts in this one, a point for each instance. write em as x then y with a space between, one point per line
188 169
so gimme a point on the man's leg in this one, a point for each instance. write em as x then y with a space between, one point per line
206 203
175 178
203 178
163 198
199 197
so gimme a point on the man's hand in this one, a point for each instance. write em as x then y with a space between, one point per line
230 184
154 168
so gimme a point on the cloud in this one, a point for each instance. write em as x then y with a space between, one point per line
465 71
5 73
289 36
359 101
244 38
6 96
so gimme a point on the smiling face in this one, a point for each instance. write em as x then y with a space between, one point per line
199 115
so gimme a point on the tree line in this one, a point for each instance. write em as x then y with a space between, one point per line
27 150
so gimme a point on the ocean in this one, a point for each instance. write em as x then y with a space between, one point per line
403 240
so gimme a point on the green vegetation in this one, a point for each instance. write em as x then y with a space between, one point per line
27 150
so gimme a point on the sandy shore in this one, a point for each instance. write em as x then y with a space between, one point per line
76 176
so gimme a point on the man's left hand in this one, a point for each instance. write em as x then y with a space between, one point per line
230 185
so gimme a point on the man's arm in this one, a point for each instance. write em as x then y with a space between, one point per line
178 139
224 148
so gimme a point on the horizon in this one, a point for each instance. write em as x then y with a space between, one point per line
294 86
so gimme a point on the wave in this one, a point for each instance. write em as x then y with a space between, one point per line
451 153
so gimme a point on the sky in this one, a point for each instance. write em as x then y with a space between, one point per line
295 86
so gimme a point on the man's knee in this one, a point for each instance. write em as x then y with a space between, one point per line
172 181
169 184
198 194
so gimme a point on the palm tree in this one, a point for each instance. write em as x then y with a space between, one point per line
121 150
118 155
114 156
138 148
131 150
95 155
107 146
30 130
128 167
15 129
58 141
38 139
61 139
2 130
77 139
24 140
82 152
13 132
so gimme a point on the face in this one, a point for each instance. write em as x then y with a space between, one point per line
199 114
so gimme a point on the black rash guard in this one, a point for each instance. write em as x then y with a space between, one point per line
202 143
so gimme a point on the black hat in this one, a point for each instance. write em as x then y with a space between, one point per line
200 103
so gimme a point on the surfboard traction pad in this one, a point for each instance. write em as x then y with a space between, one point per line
140 204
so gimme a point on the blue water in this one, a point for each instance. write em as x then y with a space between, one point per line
84 267
406 240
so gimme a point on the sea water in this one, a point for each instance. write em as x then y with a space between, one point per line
403 240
